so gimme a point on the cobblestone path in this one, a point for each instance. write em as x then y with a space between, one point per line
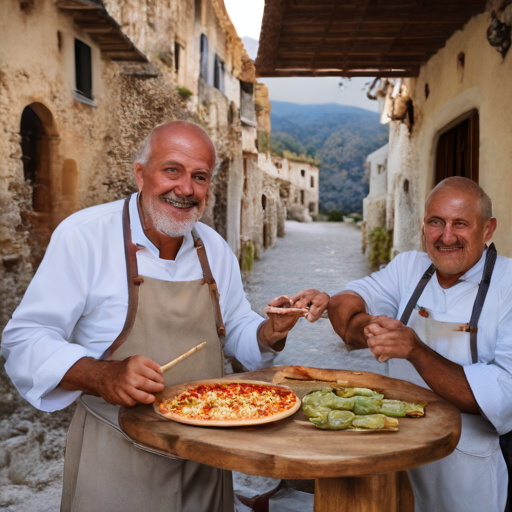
322 255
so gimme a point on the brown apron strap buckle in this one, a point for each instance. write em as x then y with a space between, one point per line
138 280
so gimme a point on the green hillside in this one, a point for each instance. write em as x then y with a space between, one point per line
340 138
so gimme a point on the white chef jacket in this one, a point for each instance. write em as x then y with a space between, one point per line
77 302
387 293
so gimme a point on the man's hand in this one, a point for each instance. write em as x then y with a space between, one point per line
388 338
133 380
315 300
274 331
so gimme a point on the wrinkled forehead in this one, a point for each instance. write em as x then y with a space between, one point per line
453 201
190 144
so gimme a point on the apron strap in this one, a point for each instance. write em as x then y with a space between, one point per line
417 293
133 279
210 281
483 288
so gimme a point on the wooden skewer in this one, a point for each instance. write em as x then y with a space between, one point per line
174 362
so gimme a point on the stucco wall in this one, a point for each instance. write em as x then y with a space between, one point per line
482 83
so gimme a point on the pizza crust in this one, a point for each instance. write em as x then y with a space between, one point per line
286 311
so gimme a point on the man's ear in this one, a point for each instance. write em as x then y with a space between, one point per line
423 241
139 170
490 228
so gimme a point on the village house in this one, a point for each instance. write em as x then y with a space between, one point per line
302 174
84 81
374 206
450 119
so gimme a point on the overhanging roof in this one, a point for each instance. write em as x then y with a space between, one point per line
356 37
92 17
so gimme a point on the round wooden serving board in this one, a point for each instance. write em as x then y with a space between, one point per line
293 448
172 391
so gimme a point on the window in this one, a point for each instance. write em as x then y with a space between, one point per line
204 57
279 165
177 51
380 168
247 112
198 8
302 197
312 182
302 173
458 150
83 68
218 73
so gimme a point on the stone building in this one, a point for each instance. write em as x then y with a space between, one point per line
82 82
374 205
303 177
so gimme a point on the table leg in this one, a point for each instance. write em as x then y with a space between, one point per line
377 493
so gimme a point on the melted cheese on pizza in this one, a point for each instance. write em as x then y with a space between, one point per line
231 401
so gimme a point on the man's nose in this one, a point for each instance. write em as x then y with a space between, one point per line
449 237
185 186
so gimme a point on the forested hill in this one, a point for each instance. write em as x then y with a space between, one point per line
340 137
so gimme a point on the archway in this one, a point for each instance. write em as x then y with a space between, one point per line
38 146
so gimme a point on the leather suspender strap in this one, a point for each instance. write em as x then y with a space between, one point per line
417 293
133 279
483 288
210 281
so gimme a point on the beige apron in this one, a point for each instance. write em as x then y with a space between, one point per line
104 470
474 477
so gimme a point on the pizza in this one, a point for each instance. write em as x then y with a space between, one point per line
235 402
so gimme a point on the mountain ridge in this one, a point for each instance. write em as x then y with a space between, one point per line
340 136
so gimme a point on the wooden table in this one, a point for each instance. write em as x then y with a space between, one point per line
353 471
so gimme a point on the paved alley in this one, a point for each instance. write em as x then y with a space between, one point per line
322 255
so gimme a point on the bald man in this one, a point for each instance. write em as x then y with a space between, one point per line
124 288
417 314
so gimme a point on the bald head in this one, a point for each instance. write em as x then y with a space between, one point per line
180 132
459 184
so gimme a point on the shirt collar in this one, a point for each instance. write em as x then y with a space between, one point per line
475 273
142 241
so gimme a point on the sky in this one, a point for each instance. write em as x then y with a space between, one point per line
246 15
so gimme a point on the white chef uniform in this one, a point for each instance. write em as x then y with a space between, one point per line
474 476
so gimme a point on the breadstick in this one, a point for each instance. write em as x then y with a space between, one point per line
174 362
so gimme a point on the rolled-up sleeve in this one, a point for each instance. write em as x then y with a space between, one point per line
35 342
491 382
242 323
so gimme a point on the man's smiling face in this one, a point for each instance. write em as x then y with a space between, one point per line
175 179
455 230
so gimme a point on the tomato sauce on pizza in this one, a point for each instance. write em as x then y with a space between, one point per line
232 401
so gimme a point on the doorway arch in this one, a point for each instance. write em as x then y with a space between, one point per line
39 140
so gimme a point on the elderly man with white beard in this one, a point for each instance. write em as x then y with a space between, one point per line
124 288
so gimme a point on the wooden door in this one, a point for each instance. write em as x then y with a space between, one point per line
458 150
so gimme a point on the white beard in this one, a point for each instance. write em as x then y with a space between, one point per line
173 226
